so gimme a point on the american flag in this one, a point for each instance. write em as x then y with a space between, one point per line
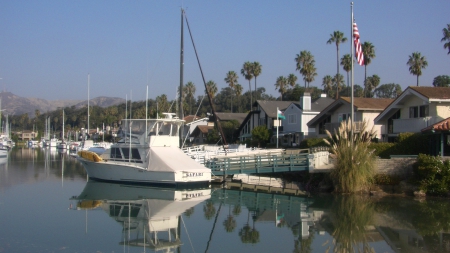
358 49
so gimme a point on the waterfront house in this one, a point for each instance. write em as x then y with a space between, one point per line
201 131
414 109
365 109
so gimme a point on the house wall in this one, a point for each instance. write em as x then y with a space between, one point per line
294 111
442 110
412 101
369 117
304 128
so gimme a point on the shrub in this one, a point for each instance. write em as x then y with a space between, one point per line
355 163
383 149
432 175
384 179
313 142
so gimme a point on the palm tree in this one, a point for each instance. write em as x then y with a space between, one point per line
211 88
369 54
337 38
327 83
416 63
346 63
291 80
371 84
231 80
189 90
446 32
238 91
301 60
338 82
280 85
256 71
309 72
247 71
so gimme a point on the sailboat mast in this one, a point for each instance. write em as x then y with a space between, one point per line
180 110
88 108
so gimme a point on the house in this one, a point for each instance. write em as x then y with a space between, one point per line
263 114
413 110
365 109
297 115
201 131
27 135
191 122
439 137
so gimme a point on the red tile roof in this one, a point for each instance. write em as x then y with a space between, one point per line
443 125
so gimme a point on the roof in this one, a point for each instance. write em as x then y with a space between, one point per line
443 125
426 93
190 118
360 104
204 128
224 116
270 107
321 103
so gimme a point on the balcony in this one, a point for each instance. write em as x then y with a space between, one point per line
331 126
413 125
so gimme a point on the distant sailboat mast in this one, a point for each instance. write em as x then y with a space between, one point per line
180 110
88 109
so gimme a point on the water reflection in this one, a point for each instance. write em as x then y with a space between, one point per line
150 217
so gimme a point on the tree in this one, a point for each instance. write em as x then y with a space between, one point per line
446 32
189 90
247 72
238 91
389 90
371 83
256 71
260 134
369 54
280 85
338 83
337 38
346 63
302 59
291 80
327 83
416 63
231 80
211 88
441 81
309 71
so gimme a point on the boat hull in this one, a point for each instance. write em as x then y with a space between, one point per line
129 174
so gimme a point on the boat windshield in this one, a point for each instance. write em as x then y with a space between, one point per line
158 127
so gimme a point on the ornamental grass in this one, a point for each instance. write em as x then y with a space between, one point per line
354 164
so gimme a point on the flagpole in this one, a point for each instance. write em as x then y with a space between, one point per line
352 79
278 123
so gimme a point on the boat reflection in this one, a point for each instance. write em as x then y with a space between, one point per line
151 215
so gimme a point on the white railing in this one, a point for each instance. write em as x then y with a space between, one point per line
413 125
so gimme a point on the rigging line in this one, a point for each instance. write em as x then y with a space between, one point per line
192 246
195 115
206 88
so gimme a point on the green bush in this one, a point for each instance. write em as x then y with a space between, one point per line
432 175
313 142
384 179
382 149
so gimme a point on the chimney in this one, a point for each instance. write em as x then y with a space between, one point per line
305 101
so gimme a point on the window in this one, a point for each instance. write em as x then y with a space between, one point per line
115 153
423 111
413 112
292 119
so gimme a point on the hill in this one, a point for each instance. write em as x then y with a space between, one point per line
12 104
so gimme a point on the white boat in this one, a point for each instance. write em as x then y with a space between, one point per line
148 153
3 151
150 216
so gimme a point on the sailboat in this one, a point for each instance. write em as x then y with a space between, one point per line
62 145
148 153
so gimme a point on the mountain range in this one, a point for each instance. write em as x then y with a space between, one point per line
12 104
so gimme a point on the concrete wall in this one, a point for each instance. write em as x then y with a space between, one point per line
401 167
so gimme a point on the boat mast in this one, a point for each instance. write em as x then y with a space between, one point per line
180 110
88 110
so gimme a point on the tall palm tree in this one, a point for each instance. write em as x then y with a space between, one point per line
446 32
337 38
238 92
231 79
211 88
346 63
416 63
301 60
327 83
256 71
280 85
369 53
291 80
189 90
247 71
338 83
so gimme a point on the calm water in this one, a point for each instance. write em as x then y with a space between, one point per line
47 205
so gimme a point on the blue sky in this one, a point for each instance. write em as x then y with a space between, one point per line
47 48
